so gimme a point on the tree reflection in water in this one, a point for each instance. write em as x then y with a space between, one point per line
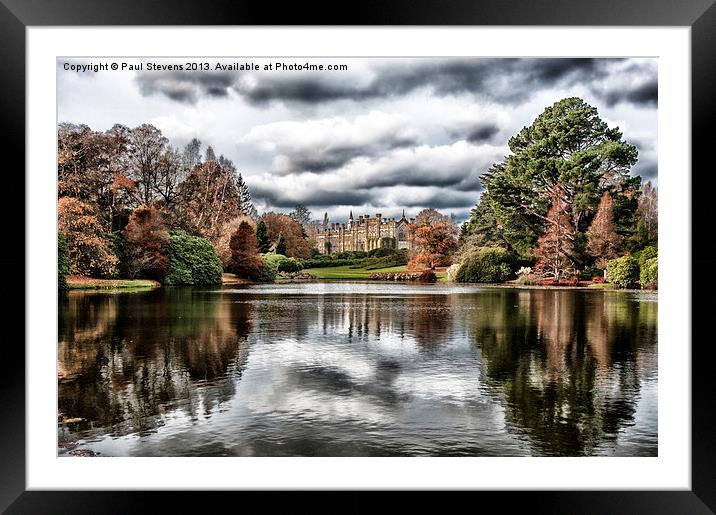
565 363
127 360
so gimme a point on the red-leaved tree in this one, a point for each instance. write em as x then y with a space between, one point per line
434 239
602 239
245 259
146 244
556 247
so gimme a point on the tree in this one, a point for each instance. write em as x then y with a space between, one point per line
567 145
210 155
302 215
603 242
192 154
88 241
210 197
222 243
434 239
281 245
649 210
325 219
262 237
247 204
296 245
245 259
146 244
556 247
146 148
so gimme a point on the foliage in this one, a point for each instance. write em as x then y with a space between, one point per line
381 251
649 273
485 265
296 245
302 215
283 263
623 272
222 242
434 239
567 145
245 260
88 239
262 237
649 211
603 242
192 260
555 249
145 245
281 245
645 254
268 271
63 261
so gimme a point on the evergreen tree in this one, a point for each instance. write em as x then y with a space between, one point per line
262 237
301 214
210 155
247 204
325 219
281 245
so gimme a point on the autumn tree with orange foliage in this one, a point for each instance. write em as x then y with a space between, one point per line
245 259
603 242
556 247
434 239
146 244
88 240
296 245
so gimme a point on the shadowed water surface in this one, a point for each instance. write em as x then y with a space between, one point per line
357 369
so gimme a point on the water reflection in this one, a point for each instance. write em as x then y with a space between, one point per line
358 369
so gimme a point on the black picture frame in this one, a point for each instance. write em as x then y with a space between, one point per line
699 15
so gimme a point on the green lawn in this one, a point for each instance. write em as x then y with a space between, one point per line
346 272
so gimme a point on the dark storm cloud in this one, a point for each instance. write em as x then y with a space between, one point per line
316 198
505 80
646 94
482 133
508 81
185 87
325 159
647 171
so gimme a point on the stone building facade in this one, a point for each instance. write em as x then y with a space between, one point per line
364 234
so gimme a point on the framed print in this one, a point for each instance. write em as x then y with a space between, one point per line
420 255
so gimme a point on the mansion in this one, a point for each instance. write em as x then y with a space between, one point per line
364 234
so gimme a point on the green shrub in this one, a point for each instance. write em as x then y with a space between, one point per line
283 263
192 260
381 252
268 271
591 271
485 265
646 254
63 261
649 274
623 272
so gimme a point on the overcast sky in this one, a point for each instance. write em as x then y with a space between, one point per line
383 135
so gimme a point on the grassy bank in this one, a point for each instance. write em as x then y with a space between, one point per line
78 282
347 272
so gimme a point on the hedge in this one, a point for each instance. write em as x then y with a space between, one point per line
282 263
192 261
649 275
63 261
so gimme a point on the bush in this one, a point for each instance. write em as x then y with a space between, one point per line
646 254
268 271
63 261
591 272
649 276
485 265
623 272
283 263
381 252
192 260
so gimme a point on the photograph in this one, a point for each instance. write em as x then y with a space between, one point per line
307 256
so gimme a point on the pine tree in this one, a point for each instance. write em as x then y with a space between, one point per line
262 237
325 219
602 239
247 204
281 245
556 247
210 155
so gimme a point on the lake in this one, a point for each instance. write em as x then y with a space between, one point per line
357 369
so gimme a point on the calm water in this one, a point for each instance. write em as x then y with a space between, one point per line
358 369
